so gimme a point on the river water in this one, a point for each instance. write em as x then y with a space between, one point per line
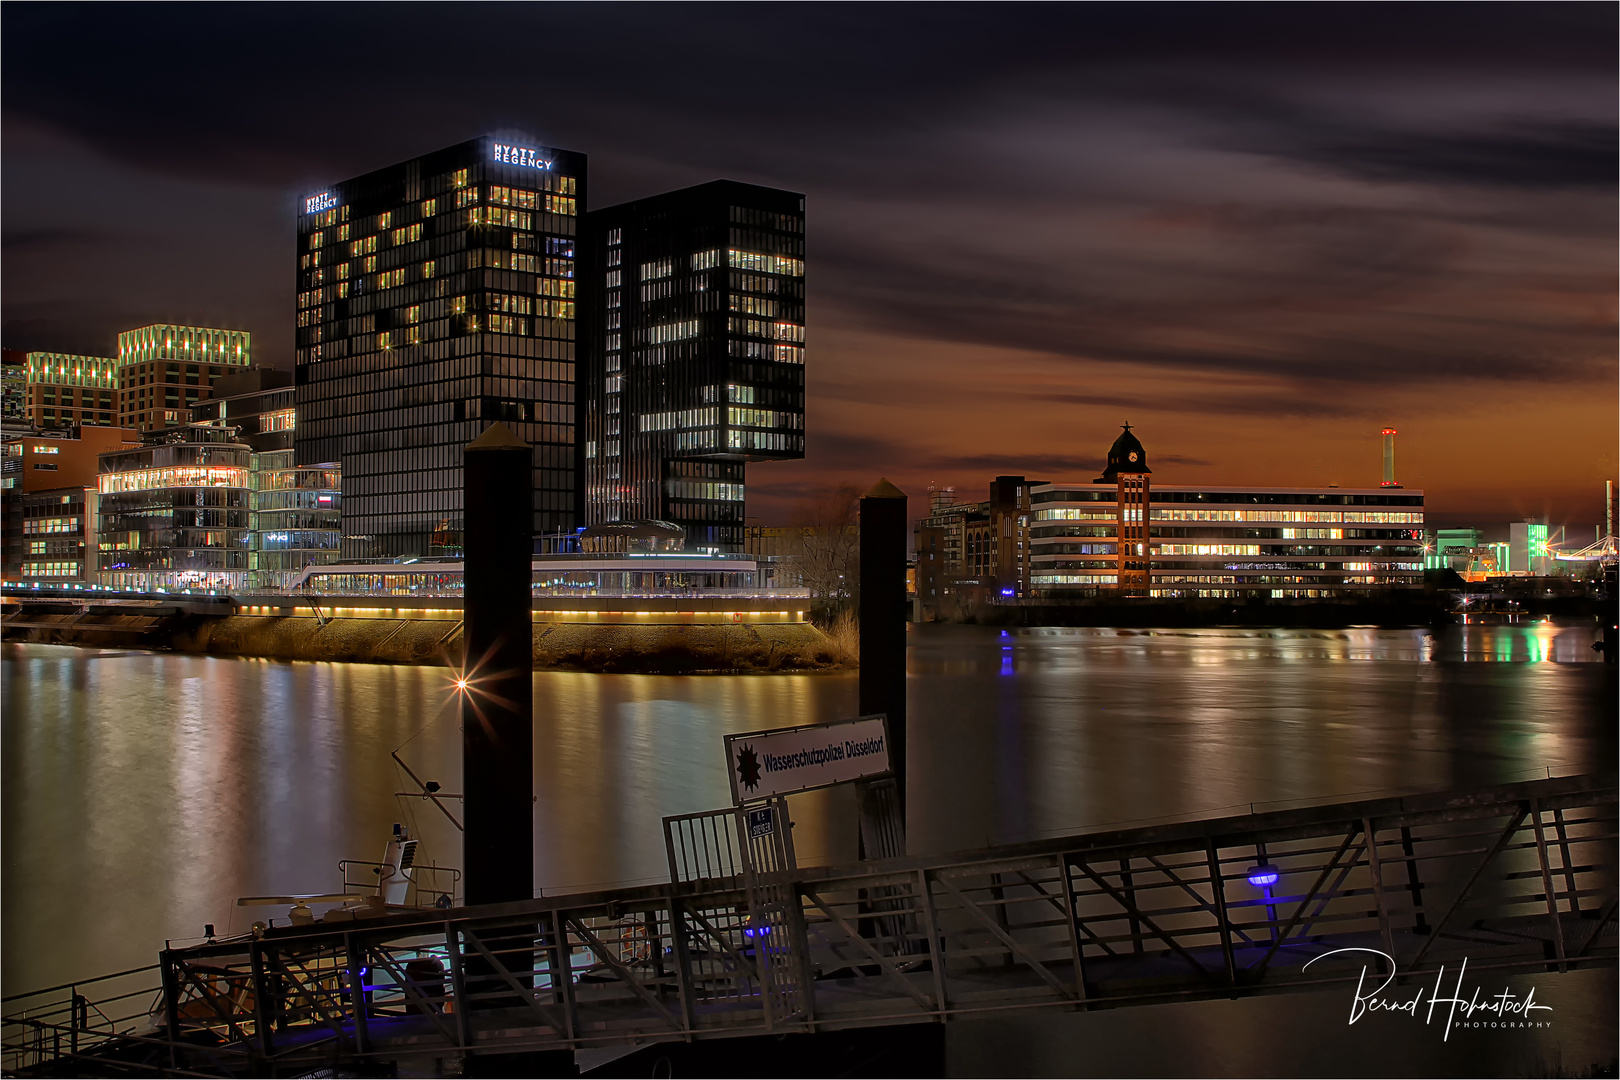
143 792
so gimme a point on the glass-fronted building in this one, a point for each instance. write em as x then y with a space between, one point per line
65 389
163 370
297 510
1291 543
297 518
603 575
434 297
176 513
695 358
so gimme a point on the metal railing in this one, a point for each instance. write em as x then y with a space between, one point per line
1518 878
431 885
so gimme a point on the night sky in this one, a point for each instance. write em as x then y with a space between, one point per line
1258 233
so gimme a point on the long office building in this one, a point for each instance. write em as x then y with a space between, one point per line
435 297
695 364
1121 534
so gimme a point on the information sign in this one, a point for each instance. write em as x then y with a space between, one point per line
785 760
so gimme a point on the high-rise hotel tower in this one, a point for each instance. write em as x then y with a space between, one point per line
435 297
695 362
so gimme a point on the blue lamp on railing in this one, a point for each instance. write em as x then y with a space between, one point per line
1263 876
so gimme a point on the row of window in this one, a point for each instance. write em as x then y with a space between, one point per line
766 418
52 569
40 526
679 418
778 331
765 219
1348 517
699 489
762 440
759 350
677 331
520 261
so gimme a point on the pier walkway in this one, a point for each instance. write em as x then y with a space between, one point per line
1513 879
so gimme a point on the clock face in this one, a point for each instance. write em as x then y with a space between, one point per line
1133 455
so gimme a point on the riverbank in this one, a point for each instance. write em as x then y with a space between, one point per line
660 648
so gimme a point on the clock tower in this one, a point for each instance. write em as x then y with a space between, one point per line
1128 470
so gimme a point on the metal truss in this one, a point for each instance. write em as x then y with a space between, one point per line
744 942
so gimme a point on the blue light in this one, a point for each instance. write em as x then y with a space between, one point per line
1006 592
1263 875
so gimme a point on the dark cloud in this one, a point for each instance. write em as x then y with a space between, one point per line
1180 210
1029 465
1570 154
18 241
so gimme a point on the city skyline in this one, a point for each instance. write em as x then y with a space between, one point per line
1258 238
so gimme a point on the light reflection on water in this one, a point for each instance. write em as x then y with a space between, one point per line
144 792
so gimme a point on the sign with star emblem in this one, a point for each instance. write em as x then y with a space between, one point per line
785 760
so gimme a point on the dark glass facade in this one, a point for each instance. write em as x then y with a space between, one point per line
694 363
434 297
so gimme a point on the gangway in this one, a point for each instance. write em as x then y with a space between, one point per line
1513 879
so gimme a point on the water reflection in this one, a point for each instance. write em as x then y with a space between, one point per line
144 792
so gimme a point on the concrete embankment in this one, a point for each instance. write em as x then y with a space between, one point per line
577 646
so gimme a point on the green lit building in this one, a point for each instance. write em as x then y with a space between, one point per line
64 389
1452 549
163 370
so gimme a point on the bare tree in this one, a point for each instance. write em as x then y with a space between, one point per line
829 558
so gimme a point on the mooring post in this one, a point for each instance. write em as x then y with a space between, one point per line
497 703
883 620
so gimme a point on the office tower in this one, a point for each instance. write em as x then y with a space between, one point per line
164 369
64 389
435 297
695 362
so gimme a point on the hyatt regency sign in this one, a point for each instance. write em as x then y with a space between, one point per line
521 155
780 762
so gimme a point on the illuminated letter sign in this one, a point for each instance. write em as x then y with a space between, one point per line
521 155
316 203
